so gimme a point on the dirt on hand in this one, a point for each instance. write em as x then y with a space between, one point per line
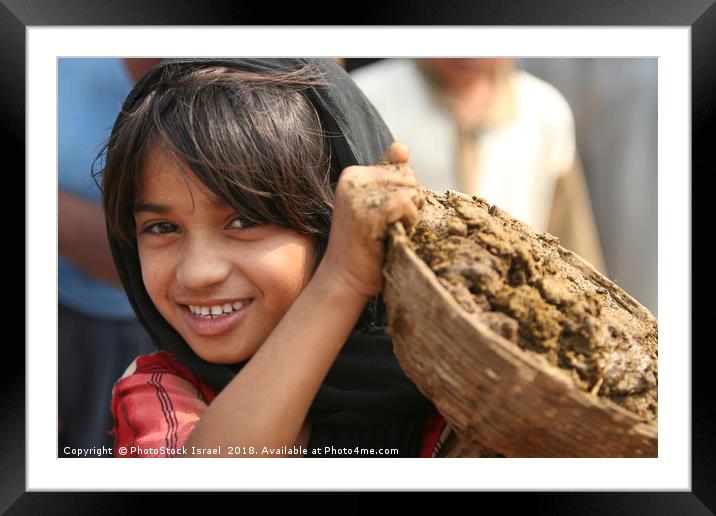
521 285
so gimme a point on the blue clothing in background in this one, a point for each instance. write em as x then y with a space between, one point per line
98 333
91 92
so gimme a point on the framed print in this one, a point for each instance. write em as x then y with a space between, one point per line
679 42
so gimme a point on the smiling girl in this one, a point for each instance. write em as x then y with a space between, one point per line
234 196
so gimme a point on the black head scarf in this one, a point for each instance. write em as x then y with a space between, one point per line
365 401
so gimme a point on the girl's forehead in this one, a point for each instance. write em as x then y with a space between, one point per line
165 179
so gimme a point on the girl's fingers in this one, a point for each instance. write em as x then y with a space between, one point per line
395 154
410 217
418 199
396 172
383 175
399 170
407 181
402 208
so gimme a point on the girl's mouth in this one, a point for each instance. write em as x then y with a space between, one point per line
209 325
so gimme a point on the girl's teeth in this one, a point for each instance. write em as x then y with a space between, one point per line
216 309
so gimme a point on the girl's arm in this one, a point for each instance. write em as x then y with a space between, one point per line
266 404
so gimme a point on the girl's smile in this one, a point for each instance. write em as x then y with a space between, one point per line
215 319
221 283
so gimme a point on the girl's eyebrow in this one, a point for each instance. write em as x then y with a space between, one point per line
154 208
163 209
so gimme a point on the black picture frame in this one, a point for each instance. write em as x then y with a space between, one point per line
17 15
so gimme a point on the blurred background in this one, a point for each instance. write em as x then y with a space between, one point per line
614 106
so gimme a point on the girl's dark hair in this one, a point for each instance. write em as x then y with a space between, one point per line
255 140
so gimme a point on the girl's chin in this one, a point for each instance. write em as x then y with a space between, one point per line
218 351
223 358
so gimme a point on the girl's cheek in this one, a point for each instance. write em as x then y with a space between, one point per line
153 275
287 275
287 282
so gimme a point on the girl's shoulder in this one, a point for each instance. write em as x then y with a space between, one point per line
155 406
164 367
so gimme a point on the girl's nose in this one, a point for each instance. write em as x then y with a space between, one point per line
201 267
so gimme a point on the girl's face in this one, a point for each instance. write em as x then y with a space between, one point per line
222 286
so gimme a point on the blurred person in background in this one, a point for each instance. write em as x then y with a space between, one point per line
614 101
98 333
486 128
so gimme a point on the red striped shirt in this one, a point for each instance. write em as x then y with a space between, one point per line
157 402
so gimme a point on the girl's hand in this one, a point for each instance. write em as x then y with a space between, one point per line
367 200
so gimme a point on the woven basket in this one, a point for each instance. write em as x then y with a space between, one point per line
499 399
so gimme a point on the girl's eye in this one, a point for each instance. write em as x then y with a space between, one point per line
237 223
160 228
165 228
